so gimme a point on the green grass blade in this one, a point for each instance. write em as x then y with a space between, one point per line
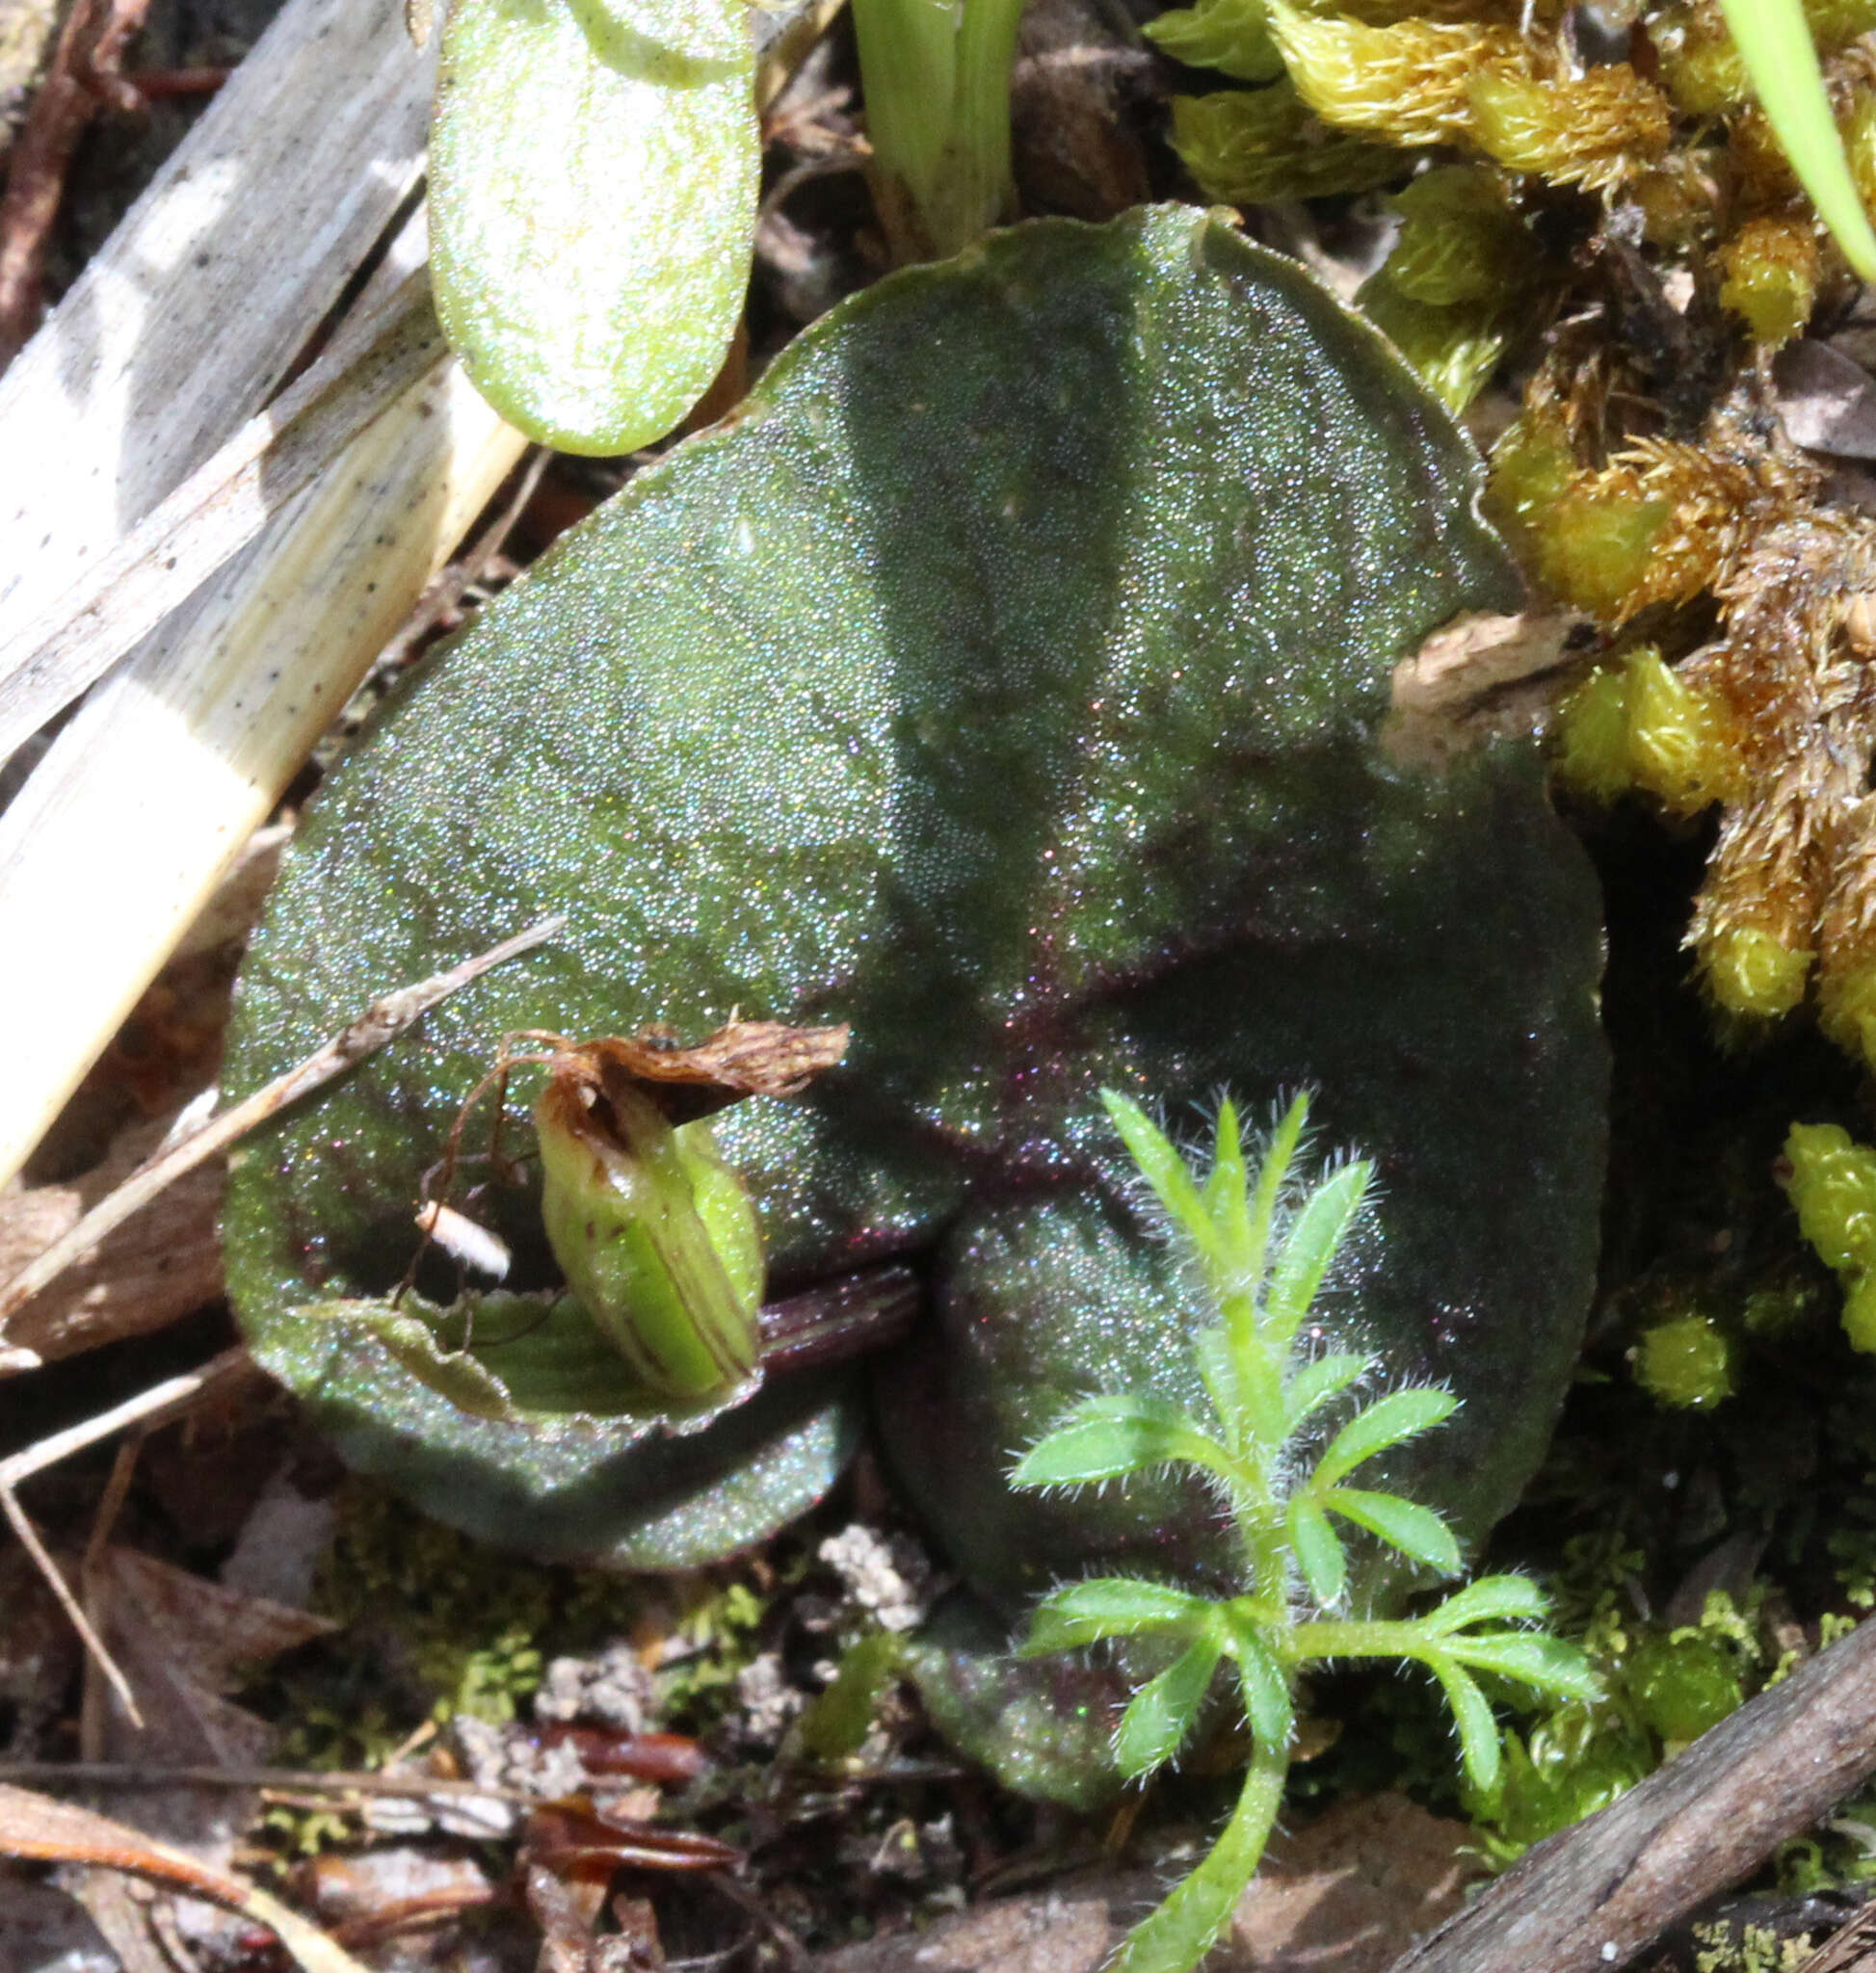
1774 41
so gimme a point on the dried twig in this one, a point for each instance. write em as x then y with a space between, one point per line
380 1023
1597 1894
78 79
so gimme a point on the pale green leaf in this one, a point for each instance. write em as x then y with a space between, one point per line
1273 1174
1265 1690
1492 1599
1163 1169
1417 1531
1314 1238
1108 1437
1227 1194
1326 1378
1387 1422
1318 1550
1218 1368
1083 1614
1478 1731
1161 1713
593 179
1546 1664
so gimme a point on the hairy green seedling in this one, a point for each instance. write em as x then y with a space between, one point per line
1260 1245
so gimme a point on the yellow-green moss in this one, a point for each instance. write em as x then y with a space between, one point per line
1687 1365
1748 971
1771 268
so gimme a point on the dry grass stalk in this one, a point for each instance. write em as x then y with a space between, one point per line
187 320
126 594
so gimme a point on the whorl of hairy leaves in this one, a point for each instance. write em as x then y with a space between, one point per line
1261 1246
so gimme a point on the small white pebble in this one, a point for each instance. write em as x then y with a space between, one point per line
462 1240
1608 1952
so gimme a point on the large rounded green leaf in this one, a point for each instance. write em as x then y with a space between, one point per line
593 172
1005 682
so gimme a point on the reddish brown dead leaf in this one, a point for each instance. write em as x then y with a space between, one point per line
672 1757
575 1840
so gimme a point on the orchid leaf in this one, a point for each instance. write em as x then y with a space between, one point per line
1012 681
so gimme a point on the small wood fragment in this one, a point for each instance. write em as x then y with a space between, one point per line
161 1266
1481 676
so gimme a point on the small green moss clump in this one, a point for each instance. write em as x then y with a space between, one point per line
1686 1364
1832 1190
